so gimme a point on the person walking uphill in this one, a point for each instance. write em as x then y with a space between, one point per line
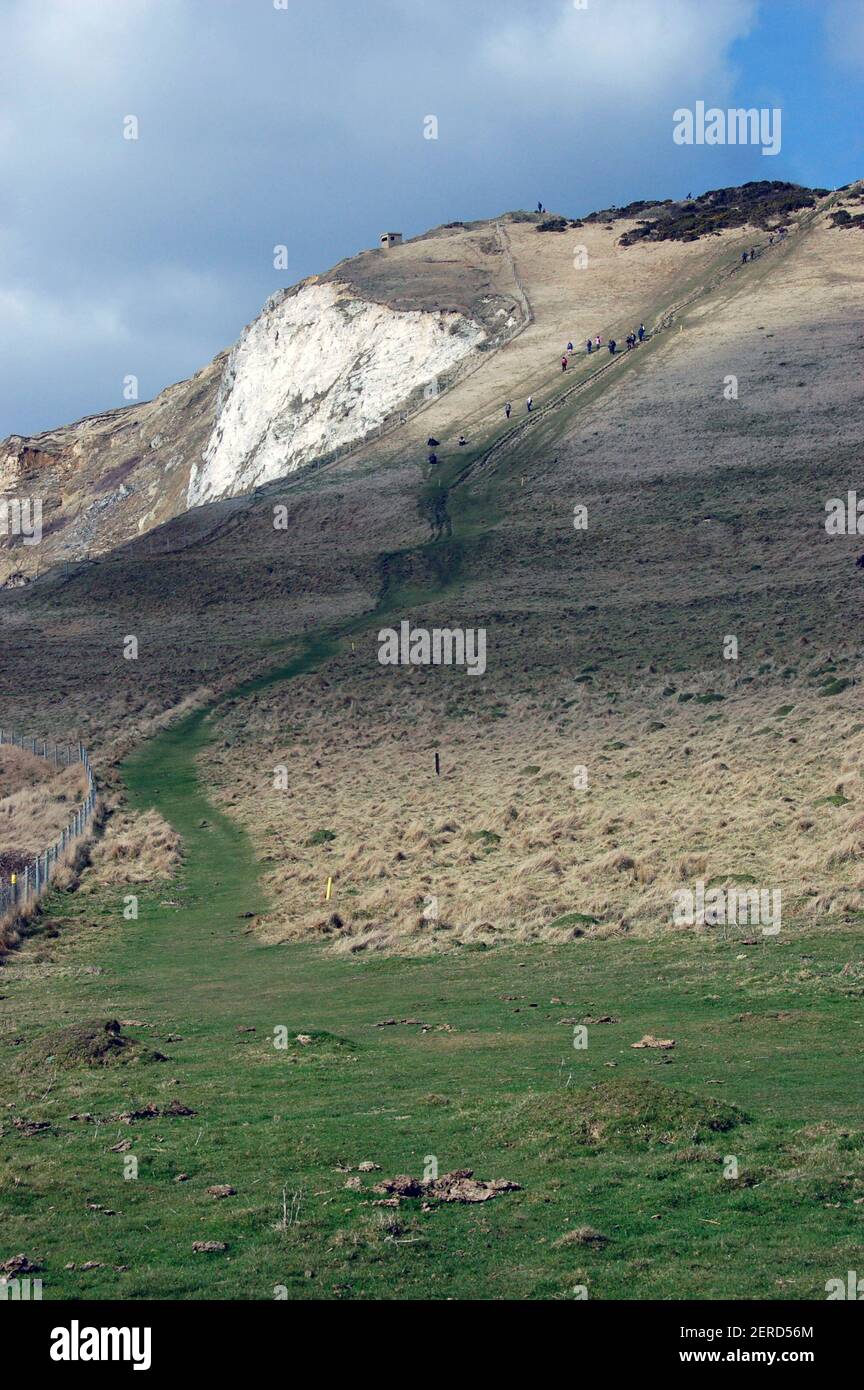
508 407
641 332
529 404
564 364
590 347
612 346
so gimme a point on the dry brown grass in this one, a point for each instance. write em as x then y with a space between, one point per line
20 768
33 816
137 847
504 841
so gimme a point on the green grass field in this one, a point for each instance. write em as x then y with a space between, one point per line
495 1084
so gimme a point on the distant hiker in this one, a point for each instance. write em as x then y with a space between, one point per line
564 363
597 342
641 331
743 257
590 347
433 458
462 441
631 341
569 347
530 404
612 346
508 407
432 443
539 206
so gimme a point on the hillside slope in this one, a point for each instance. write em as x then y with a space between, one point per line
440 887
701 509
325 364
606 651
331 363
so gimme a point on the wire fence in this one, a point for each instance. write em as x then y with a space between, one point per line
34 878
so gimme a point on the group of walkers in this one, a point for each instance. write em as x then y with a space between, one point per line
755 251
637 336
592 345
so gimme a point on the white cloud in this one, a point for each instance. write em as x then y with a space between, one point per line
626 51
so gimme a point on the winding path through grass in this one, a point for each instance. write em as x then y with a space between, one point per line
291 1121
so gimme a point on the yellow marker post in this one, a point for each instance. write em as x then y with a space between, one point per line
329 887
14 878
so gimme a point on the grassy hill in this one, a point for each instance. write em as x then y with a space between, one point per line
724 1164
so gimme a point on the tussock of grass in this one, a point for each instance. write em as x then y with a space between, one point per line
582 1235
137 847
624 1113
574 919
94 1043
308 1042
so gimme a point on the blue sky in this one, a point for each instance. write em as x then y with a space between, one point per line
303 126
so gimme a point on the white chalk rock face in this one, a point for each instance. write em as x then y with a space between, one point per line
319 368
